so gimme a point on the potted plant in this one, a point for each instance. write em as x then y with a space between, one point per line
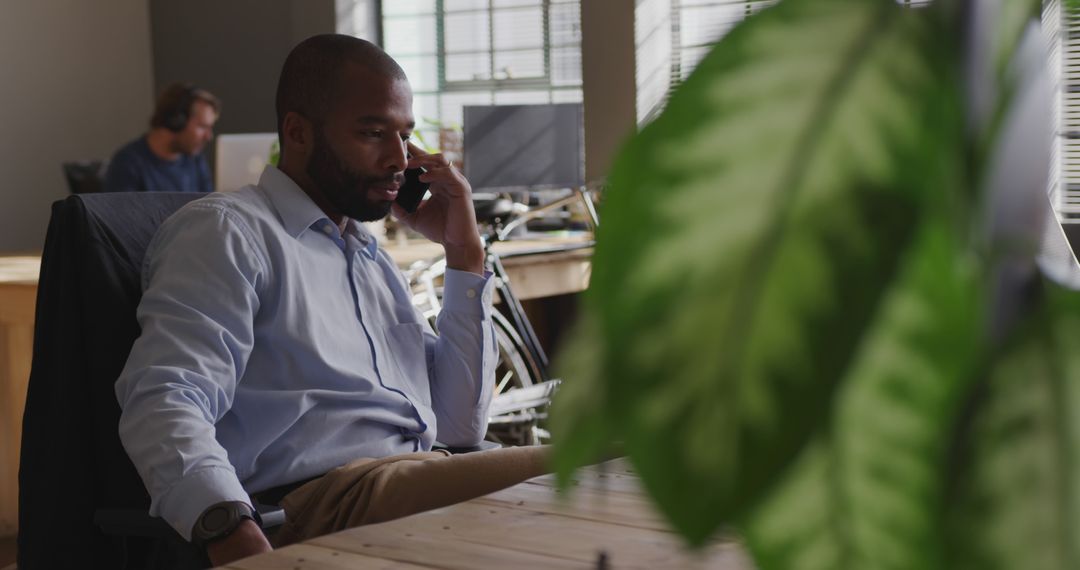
816 316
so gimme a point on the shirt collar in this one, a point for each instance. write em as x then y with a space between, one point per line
359 231
298 213
294 207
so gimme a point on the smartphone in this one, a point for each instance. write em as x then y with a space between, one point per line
412 191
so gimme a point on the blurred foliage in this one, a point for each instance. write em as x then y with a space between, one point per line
786 329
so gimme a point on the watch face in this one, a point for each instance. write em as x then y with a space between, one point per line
220 520
216 519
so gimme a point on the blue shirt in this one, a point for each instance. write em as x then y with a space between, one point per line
135 168
274 349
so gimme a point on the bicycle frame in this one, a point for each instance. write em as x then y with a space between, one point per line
524 406
506 293
518 317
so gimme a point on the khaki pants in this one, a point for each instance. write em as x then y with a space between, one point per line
368 491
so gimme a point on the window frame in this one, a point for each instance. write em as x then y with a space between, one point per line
542 82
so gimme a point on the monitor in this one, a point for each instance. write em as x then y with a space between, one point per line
240 159
524 147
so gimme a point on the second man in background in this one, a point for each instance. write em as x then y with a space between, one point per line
169 158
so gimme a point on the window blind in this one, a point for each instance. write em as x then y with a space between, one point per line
1062 31
672 36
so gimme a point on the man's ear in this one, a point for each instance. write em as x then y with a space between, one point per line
298 135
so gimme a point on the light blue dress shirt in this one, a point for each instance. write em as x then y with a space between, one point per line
274 349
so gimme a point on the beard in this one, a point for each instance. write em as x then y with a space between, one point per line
345 189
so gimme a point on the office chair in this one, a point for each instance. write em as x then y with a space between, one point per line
85 176
81 502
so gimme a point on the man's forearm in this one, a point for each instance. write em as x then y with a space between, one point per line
469 258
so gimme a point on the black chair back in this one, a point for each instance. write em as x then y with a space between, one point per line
72 463
85 176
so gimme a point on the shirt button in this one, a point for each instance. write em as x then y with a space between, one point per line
329 230
470 293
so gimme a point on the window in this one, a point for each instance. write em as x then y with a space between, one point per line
482 52
672 36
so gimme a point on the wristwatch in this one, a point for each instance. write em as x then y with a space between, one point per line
220 520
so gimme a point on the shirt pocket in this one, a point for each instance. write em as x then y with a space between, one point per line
405 343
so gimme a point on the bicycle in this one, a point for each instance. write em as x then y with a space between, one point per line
524 385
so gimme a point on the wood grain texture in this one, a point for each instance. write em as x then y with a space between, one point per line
530 525
16 349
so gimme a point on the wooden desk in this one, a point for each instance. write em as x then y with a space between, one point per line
525 526
18 293
533 276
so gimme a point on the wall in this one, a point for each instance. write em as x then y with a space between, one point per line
76 85
234 49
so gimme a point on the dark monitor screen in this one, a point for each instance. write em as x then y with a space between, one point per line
524 146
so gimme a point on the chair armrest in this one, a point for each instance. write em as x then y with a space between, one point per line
272 516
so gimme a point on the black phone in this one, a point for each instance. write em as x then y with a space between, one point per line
412 191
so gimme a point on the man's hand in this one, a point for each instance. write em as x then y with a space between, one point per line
246 540
447 217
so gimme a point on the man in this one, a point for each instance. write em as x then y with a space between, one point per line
169 157
279 343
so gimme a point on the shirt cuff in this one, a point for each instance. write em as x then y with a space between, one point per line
186 501
469 293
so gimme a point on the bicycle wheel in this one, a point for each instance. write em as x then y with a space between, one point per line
515 370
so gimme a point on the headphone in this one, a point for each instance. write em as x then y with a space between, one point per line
176 117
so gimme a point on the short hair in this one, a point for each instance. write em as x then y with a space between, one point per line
176 100
311 74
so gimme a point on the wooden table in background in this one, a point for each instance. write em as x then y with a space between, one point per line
533 276
18 293
530 525
545 273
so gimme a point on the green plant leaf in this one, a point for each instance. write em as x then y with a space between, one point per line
869 493
748 235
579 422
1018 499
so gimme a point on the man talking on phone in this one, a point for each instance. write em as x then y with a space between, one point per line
281 357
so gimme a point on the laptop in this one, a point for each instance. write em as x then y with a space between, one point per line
241 158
